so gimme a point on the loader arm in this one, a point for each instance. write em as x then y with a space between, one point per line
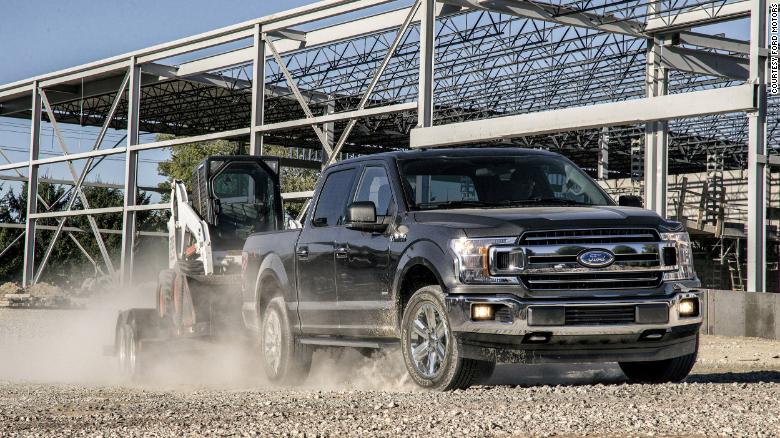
188 233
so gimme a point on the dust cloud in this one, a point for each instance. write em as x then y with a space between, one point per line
67 346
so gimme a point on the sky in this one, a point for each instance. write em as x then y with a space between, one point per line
41 36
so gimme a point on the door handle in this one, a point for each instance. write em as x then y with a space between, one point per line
302 252
342 252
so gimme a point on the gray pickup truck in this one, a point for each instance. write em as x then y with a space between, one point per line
469 257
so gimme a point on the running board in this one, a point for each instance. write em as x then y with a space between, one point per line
355 343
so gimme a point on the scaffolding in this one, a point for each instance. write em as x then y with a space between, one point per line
626 89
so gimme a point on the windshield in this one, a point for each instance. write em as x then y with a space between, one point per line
497 181
247 202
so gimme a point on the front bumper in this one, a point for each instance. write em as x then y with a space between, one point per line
516 338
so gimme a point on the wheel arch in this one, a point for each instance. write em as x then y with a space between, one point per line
272 281
423 264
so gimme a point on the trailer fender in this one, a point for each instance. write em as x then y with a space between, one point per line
271 269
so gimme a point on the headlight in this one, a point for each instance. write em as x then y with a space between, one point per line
682 242
475 259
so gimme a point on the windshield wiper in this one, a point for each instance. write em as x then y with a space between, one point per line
454 204
542 201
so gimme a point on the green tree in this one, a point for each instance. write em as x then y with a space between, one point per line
67 264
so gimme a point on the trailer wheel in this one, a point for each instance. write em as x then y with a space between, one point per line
129 364
285 361
133 326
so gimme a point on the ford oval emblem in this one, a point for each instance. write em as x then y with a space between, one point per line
596 258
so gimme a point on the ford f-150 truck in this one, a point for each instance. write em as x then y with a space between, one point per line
469 257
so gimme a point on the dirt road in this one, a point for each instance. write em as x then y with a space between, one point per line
733 392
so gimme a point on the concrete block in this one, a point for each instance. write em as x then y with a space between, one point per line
727 313
760 314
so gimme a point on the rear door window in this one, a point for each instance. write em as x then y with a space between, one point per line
332 203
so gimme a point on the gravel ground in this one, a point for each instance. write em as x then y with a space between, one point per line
57 385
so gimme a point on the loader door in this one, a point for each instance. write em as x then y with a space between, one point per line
245 197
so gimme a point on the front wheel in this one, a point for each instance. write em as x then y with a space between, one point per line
284 360
431 351
661 371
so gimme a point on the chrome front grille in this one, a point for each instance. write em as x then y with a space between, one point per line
609 280
552 259
588 237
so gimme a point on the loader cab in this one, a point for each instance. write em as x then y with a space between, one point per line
237 196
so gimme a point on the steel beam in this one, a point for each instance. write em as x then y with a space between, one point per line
756 169
131 172
258 93
79 230
427 56
72 213
714 101
603 161
240 132
32 189
713 42
555 14
705 63
704 14
338 117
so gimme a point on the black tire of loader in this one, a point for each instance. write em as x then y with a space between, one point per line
165 282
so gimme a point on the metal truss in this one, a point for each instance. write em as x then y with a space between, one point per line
402 68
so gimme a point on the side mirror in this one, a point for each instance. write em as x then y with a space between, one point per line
630 201
361 216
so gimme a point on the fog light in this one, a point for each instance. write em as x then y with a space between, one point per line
689 307
482 312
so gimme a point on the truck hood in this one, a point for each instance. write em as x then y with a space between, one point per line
514 221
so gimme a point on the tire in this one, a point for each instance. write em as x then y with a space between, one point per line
661 371
425 330
165 294
284 360
131 365
132 327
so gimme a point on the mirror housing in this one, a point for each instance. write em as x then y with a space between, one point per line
630 201
361 216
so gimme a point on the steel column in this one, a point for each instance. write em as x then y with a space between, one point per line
258 92
427 47
603 163
131 172
756 165
32 189
656 132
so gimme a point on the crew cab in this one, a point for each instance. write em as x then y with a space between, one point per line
471 256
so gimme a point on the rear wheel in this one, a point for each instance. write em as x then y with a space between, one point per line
132 327
431 351
284 360
661 371
130 361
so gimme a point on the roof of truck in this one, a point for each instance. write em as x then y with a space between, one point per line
449 152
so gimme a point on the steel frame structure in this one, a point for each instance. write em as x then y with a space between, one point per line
589 78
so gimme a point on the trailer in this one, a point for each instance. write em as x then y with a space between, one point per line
198 297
